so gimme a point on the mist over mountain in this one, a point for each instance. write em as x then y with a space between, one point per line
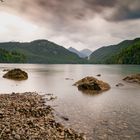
71 49
82 53
86 52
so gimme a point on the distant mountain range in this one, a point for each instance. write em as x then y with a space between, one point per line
83 53
44 51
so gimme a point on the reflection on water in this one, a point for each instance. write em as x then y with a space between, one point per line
111 115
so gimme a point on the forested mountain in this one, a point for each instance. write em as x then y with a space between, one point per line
126 52
11 57
43 51
130 55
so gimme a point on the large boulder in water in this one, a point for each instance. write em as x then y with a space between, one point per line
92 85
133 78
16 74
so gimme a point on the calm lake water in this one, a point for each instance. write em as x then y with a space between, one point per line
112 115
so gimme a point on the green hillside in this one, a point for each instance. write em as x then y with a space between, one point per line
130 55
11 57
117 54
43 51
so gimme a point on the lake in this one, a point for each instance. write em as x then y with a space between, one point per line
111 115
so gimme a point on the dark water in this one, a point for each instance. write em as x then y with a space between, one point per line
112 115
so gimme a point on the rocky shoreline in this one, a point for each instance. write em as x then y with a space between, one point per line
26 117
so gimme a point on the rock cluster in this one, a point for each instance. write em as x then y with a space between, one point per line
16 74
92 85
133 78
26 117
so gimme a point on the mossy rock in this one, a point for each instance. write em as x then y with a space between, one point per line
16 74
92 85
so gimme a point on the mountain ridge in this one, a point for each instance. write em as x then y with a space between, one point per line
47 52
43 51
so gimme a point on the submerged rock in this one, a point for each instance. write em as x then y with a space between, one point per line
68 79
98 75
16 74
133 78
6 70
92 85
119 85
65 118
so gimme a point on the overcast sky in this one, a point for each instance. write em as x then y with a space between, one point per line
71 23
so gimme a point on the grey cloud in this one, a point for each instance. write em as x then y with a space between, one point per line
125 10
100 3
65 11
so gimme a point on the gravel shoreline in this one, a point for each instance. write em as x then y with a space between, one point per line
24 116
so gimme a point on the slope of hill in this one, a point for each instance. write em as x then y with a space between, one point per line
108 54
130 55
43 51
11 57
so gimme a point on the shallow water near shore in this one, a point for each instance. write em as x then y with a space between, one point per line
112 115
